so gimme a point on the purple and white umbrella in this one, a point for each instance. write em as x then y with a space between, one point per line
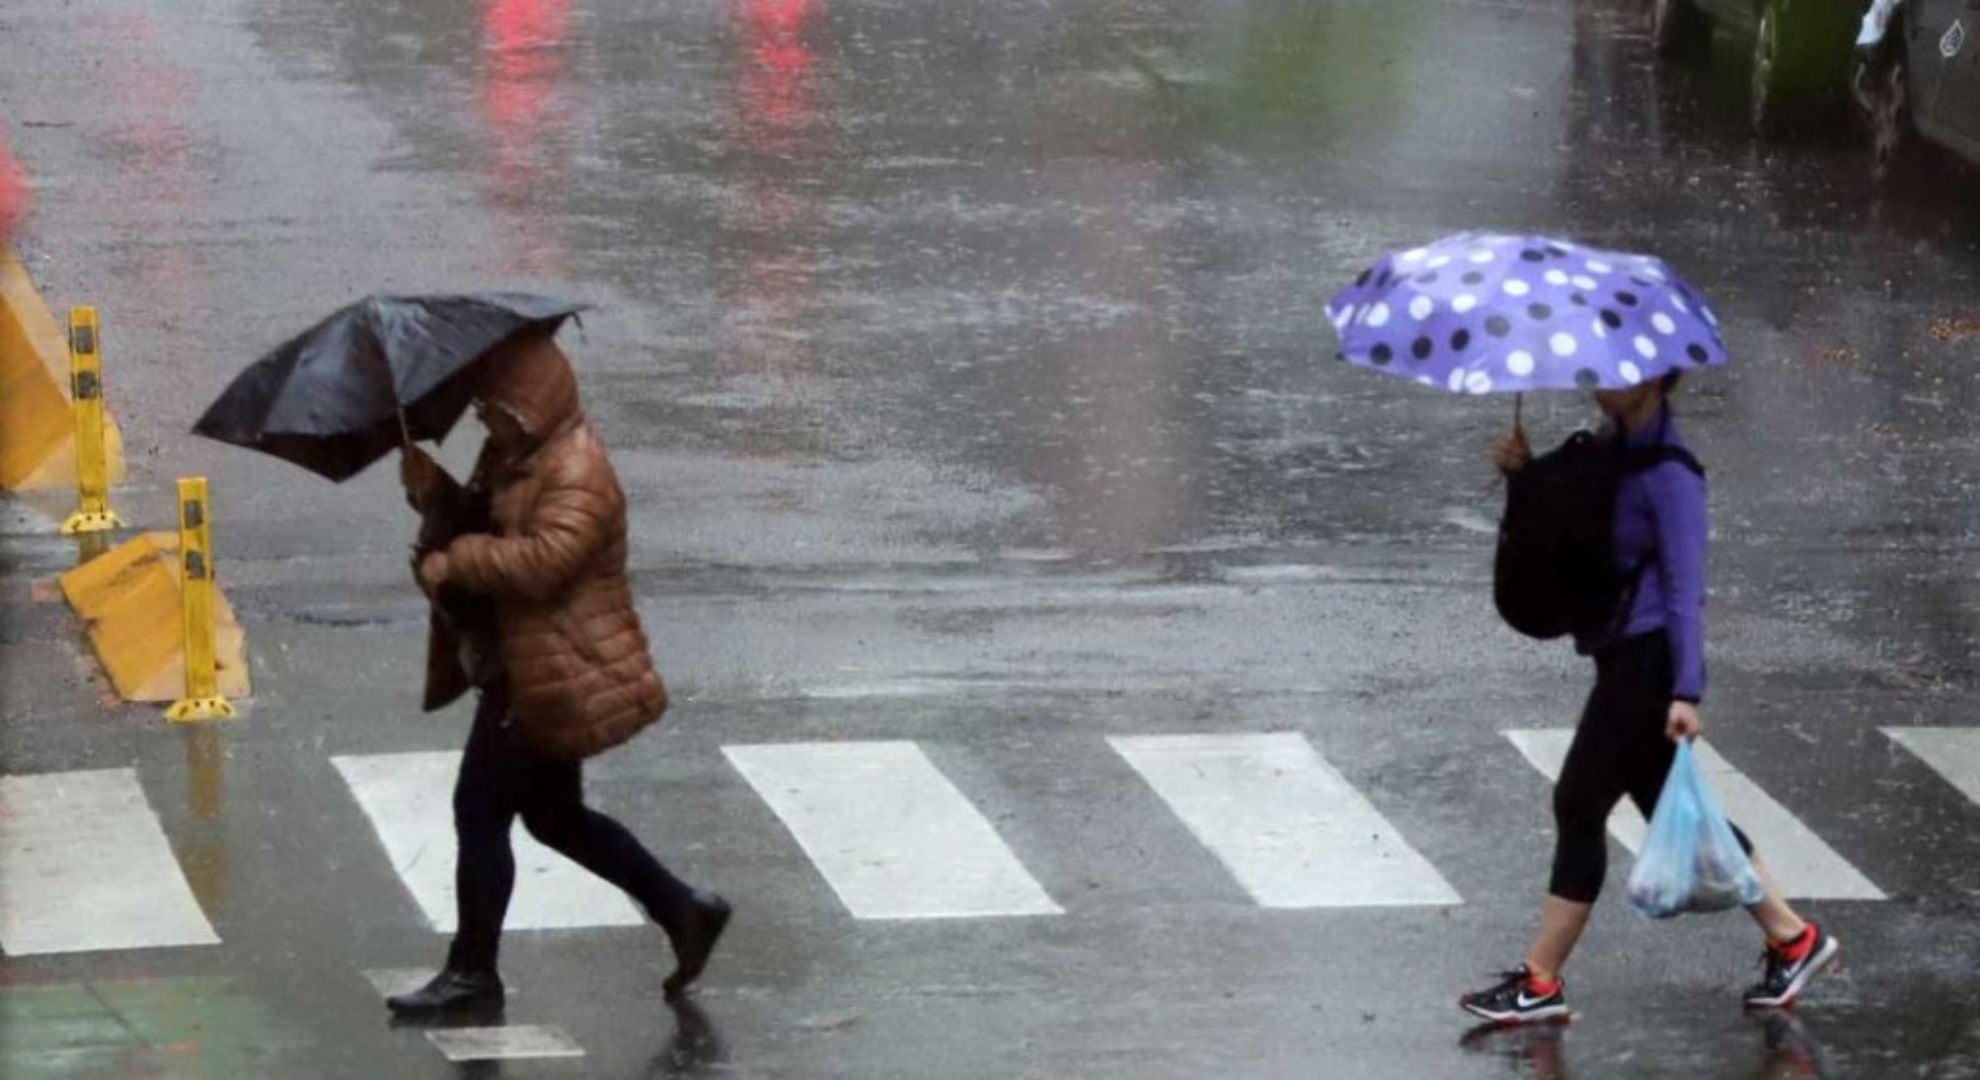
1481 313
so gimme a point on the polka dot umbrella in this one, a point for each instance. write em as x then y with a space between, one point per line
1478 313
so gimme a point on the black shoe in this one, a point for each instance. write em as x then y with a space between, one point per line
694 939
1514 1002
1786 979
451 991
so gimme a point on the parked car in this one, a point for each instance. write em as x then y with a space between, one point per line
1801 48
1918 79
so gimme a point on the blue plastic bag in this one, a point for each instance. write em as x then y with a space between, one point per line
1691 860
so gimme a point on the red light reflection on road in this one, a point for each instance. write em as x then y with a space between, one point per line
522 109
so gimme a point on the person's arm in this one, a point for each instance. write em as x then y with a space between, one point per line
1678 506
568 526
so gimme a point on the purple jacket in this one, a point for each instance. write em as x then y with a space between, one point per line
1661 518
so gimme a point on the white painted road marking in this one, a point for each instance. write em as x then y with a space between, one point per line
1953 753
890 833
84 866
1290 828
409 799
1805 866
504 1043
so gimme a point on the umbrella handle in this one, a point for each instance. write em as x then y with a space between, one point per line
405 429
1519 407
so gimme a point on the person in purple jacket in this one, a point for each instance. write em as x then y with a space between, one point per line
1649 681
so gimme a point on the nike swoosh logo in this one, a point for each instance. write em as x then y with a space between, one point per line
1525 1002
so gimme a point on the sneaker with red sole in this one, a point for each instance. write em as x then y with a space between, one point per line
1787 974
1517 1000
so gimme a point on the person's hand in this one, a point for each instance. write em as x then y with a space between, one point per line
433 571
1684 722
419 474
1512 453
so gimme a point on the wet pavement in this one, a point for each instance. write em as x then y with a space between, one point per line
966 367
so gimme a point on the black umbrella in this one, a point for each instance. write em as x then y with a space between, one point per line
371 377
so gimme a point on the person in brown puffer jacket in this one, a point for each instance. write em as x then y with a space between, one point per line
556 649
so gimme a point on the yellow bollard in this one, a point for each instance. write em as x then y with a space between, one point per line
93 513
202 700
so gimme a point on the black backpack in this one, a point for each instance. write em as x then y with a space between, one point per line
1555 570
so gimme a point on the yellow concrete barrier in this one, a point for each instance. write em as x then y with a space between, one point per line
202 700
132 599
37 425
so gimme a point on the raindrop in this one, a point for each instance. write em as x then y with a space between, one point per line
1381 355
1497 326
1421 348
1540 312
1461 340
1587 379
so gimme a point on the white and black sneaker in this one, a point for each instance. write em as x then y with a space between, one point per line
1786 978
1518 1001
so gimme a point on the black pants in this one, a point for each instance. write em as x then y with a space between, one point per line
1619 749
501 780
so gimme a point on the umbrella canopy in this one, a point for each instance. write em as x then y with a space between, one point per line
348 390
1483 312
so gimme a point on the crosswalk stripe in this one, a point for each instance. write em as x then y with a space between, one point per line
1805 866
409 800
891 835
1288 826
1953 753
85 866
504 1043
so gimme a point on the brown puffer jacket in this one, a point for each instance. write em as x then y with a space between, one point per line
580 677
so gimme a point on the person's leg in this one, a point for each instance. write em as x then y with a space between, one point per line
1590 783
1780 922
553 811
1583 795
484 875
485 807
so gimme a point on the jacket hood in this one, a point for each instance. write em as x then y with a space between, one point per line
529 377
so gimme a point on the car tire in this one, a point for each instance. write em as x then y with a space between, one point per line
1893 140
1678 28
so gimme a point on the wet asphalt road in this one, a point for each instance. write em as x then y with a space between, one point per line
964 363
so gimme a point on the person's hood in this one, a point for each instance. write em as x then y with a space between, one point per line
529 378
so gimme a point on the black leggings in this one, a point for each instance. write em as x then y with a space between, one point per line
501 780
1619 749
